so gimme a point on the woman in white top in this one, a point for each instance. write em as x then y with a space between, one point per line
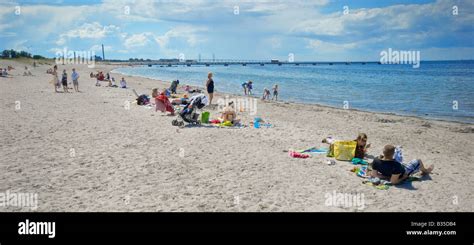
55 80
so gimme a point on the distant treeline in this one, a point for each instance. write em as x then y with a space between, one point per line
19 54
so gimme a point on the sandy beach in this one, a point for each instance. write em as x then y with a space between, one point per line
86 152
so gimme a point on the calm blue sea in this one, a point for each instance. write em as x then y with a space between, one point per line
430 91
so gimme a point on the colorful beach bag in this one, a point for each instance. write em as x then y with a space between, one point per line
205 117
344 150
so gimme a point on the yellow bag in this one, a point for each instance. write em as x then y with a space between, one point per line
344 150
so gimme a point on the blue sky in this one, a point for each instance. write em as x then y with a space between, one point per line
320 30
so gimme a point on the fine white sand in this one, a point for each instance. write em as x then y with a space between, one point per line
87 152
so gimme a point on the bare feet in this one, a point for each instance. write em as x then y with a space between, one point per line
427 170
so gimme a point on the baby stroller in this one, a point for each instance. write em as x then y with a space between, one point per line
189 113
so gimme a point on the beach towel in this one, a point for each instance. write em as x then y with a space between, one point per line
356 161
344 150
377 183
295 154
314 150
361 171
165 101
226 124
379 186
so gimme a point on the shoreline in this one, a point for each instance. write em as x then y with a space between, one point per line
306 103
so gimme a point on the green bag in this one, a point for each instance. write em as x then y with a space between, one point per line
205 117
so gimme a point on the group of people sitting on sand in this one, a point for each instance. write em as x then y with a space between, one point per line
164 100
100 77
4 71
64 79
387 166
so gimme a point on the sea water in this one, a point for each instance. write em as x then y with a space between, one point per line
437 89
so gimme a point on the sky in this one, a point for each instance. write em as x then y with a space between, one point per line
307 30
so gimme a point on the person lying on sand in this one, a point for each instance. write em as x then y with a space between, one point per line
190 90
181 101
387 168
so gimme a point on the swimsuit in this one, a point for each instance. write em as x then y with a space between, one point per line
210 86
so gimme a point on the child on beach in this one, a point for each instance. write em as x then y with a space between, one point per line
266 94
249 88
386 167
244 86
275 92
229 114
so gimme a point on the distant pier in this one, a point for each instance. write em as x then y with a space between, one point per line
176 62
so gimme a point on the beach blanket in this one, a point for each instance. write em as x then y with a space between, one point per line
377 183
361 171
163 104
314 150
378 186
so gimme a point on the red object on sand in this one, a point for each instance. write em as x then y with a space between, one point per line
298 155
163 103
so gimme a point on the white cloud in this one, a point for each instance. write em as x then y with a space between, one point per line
319 45
192 35
137 40
88 30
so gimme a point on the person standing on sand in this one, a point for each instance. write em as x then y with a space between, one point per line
55 80
75 79
210 87
64 81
